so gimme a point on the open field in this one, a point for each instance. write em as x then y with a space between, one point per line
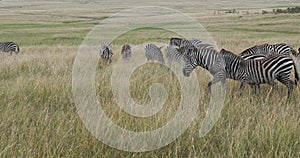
37 110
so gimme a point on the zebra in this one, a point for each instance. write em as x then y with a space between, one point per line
256 72
173 54
265 50
106 52
208 59
9 47
176 54
126 52
182 42
153 53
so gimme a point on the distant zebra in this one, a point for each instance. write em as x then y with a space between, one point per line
153 53
126 52
182 42
9 47
265 50
256 72
106 52
208 59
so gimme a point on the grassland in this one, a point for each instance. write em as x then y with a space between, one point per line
37 111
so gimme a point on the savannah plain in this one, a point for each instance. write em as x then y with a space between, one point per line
38 116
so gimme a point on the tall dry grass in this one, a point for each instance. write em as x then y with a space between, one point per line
39 118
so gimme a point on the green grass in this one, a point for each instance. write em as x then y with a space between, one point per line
39 117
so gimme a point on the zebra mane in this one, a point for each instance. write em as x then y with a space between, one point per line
187 50
126 46
175 38
227 53
229 56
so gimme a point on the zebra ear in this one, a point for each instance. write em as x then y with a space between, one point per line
222 50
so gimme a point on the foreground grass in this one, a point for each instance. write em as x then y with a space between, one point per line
39 117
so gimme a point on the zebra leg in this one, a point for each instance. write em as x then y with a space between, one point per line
289 84
275 86
223 81
242 87
255 88
214 81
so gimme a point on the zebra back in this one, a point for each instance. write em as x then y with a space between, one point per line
265 50
204 46
284 49
153 53
9 47
194 57
257 51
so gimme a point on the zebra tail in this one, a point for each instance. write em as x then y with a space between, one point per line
18 49
296 74
294 52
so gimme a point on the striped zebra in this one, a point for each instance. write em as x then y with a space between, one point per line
153 53
174 55
263 71
182 42
106 52
265 50
9 47
208 59
126 52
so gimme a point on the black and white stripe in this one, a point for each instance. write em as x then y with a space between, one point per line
153 53
208 59
174 55
265 50
256 72
179 42
126 52
106 52
9 47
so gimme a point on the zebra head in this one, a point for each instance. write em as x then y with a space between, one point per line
175 41
189 59
125 47
126 52
235 64
106 51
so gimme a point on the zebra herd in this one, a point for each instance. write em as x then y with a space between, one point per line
9 47
260 64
